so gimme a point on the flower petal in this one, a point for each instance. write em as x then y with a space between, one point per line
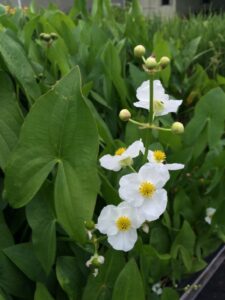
123 240
170 106
155 173
106 220
136 219
153 208
143 91
142 104
134 149
128 190
173 167
110 162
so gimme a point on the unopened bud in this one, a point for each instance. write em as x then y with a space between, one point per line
124 115
177 128
54 36
45 37
139 51
151 63
164 61
95 261
89 225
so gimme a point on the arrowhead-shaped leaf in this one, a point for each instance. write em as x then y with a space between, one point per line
59 131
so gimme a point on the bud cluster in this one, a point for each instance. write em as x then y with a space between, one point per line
48 37
151 65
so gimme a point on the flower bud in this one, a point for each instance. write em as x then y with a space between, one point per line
45 37
151 63
95 261
54 36
164 61
89 225
177 128
139 51
124 115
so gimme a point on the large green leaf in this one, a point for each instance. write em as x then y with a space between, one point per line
209 113
129 285
10 119
18 64
41 218
59 131
22 255
112 66
69 276
12 280
100 287
42 293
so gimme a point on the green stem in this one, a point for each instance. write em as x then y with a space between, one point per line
132 169
150 117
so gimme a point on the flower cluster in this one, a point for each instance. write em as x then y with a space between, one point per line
144 198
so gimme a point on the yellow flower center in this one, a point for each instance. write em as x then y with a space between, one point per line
159 156
123 223
147 189
120 151
158 106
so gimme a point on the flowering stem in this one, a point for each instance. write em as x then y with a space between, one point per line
132 169
150 117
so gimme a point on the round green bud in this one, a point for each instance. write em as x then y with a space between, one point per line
124 115
139 51
54 36
177 128
45 37
89 225
41 35
164 61
151 63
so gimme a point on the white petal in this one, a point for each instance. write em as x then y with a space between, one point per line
151 157
208 220
170 106
134 149
155 173
128 190
106 221
173 167
123 240
136 219
143 91
131 195
159 92
210 211
110 162
142 104
154 207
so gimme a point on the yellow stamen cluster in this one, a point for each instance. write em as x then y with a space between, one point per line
147 189
159 156
120 151
123 223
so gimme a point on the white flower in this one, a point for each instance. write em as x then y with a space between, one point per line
157 288
123 157
95 260
159 156
143 190
210 211
120 224
161 105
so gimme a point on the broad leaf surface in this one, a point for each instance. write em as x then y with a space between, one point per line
59 132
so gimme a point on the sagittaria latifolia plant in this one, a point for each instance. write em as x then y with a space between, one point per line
143 196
